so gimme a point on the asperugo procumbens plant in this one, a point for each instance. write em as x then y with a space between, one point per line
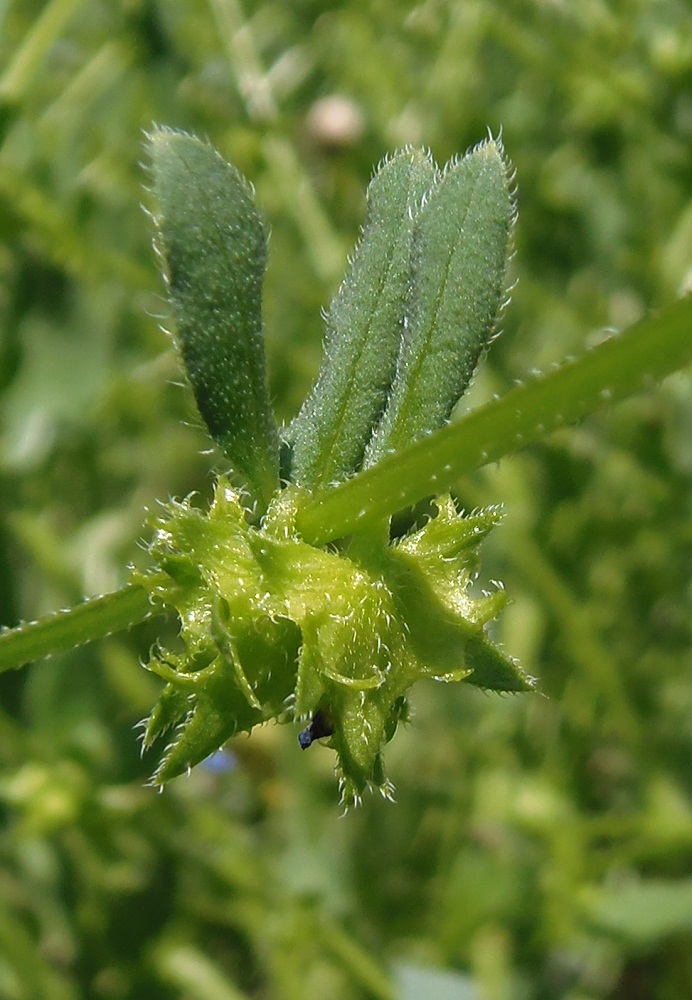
300 596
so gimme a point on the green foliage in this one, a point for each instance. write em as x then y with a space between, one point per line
272 627
529 833
459 259
417 307
364 329
213 250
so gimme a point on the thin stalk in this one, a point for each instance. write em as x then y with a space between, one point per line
63 630
648 351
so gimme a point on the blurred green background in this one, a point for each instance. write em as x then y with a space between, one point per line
540 847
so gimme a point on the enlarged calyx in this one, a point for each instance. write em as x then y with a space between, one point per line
274 628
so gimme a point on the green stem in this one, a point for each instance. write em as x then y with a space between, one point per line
651 349
63 630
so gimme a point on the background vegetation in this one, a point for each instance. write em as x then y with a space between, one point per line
540 847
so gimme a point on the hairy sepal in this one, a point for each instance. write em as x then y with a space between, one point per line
274 628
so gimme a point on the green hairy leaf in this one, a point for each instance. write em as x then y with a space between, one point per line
364 328
417 308
212 243
460 251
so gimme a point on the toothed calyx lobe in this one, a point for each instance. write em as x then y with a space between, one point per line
274 628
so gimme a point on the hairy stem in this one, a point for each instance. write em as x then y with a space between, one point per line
63 630
648 351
